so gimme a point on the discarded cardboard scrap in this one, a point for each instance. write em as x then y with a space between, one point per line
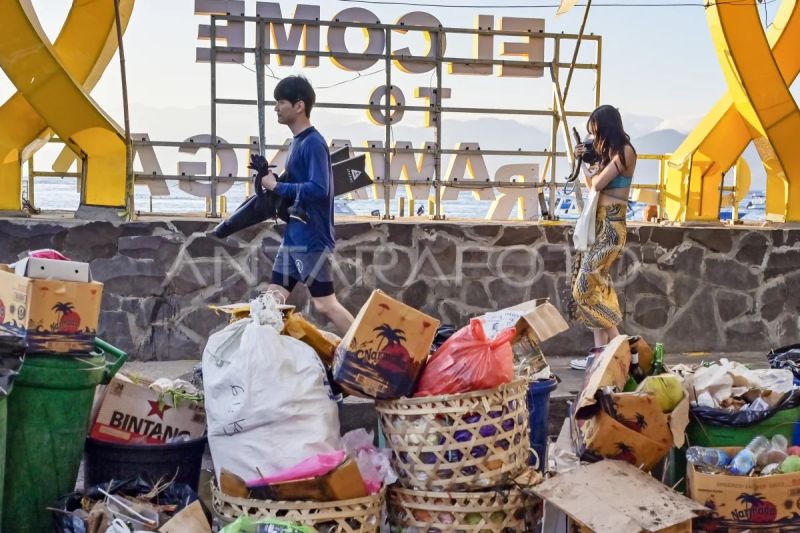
342 483
191 518
615 497
241 310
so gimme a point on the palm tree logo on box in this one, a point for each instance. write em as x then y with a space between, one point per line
759 510
381 364
393 356
625 453
69 320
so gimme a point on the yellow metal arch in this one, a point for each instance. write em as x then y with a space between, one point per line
758 106
53 82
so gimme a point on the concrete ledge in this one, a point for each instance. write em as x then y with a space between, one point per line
101 214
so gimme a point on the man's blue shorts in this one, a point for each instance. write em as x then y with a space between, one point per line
312 268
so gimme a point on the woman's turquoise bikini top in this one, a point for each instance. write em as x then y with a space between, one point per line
620 182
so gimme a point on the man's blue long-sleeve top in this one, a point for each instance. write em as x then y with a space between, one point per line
311 186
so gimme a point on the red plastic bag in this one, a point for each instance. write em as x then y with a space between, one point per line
48 253
469 361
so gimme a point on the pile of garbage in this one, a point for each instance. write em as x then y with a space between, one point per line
741 426
273 421
272 381
734 387
122 506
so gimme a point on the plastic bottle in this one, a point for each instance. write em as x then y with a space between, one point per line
776 452
658 359
700 456
746 459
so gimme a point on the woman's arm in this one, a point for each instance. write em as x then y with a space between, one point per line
589 172
613 169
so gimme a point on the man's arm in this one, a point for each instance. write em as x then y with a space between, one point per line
318 185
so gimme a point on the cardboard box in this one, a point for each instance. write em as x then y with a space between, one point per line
342 483
640 434
538 320
615 497
55 316
40 268
741 503
535 321
383 352
628 426
132 413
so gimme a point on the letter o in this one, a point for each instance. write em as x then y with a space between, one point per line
376 40
376 112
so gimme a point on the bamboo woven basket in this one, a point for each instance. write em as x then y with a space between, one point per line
471 441
359 515
496 511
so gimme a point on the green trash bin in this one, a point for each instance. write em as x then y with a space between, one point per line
48 414
3 426
705 434
12 354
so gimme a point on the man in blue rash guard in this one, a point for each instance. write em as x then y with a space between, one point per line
306 252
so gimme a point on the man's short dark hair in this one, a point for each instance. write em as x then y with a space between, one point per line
294 89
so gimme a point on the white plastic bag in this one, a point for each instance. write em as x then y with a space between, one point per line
374 464
268 402
584 228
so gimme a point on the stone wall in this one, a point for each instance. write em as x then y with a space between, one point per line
696 289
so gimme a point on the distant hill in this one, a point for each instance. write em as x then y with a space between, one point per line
659 142
667 141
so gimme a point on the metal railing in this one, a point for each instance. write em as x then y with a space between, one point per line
559 114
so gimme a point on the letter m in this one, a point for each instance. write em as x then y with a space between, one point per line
302 30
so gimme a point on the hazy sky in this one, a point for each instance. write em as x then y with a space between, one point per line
659 68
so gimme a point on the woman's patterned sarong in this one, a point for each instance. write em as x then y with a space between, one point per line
596 303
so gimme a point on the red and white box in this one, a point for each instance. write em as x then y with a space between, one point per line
130 412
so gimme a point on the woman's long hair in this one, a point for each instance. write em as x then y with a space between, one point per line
610 139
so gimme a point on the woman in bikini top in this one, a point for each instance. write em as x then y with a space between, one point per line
595 299
613 174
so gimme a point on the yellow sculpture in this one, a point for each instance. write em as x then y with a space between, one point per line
758 69
53 83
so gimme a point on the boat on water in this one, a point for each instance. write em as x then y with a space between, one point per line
751 207
567 207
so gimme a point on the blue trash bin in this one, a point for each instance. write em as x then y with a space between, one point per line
538 415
